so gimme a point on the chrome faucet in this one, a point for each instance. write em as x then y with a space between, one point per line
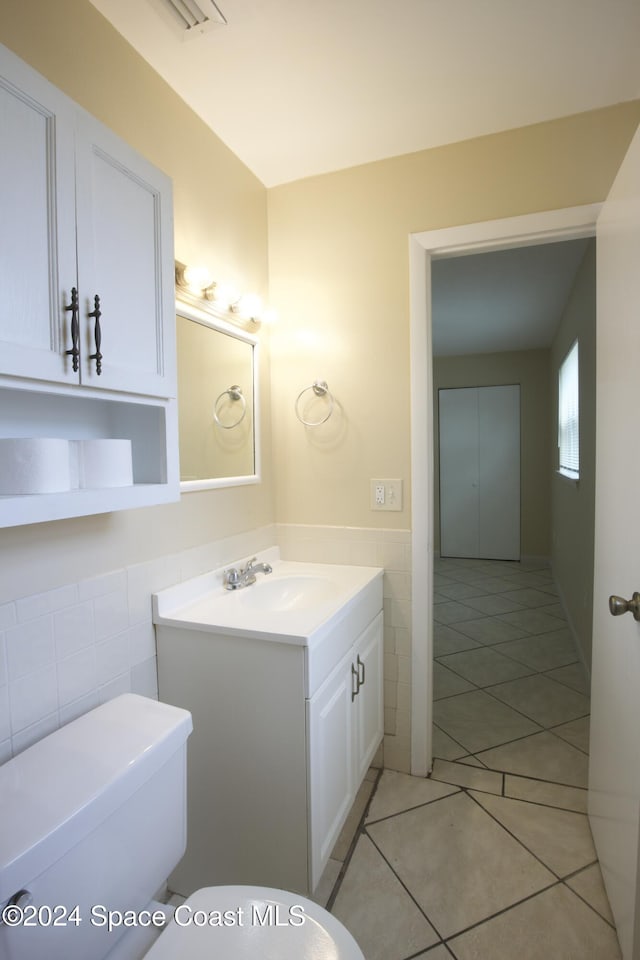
234 579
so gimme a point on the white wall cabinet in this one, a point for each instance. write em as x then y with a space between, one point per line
345 724
83 211
272 772
83 216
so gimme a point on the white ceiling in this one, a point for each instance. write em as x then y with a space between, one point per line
504 299
301 87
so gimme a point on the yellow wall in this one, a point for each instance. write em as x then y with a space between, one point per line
529 369
338 261
220 220
573 505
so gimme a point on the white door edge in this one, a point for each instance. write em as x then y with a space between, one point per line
544 227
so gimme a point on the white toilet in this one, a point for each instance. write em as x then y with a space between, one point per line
93 820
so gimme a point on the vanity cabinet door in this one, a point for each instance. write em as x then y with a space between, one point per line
330 723
125 258
37 224
345 723
369 725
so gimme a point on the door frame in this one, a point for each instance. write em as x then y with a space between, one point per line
522 231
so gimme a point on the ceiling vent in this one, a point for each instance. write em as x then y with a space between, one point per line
190 18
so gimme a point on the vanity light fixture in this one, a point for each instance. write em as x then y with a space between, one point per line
222 293
195 279
248 307
198 282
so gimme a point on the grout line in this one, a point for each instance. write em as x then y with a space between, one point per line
405 887
513 835
499 913
504 774
418 806
504 743
354 840
579 895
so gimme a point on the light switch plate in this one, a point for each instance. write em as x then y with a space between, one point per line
386 494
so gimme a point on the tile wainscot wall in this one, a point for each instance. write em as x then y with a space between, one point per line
65 651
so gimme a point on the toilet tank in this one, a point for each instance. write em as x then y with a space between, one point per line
92 820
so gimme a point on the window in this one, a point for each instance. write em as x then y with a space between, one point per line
568 418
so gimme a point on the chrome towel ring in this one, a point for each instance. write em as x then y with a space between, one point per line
320 389
234 393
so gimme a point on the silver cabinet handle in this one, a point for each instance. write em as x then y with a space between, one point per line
617 606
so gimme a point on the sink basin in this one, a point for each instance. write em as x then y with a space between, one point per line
297 592
320 606
291 603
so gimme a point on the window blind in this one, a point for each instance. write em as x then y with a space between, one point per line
568 415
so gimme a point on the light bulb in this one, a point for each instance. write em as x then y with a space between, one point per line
197 278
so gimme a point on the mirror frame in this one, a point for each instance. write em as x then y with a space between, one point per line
205 313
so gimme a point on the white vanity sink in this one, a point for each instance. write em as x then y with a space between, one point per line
283 679
321 606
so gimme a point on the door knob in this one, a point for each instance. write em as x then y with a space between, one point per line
618 605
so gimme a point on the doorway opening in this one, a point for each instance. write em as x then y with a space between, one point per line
517 232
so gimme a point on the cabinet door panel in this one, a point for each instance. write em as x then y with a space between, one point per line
124 242
369 700
330 731
37 211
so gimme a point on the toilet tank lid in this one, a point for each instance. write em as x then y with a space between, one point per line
61 788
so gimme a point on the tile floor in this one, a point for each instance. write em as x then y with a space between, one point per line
491 857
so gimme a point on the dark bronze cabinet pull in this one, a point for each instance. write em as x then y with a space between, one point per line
74 353
97 356
355 686
360 674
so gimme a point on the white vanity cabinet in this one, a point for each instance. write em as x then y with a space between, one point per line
287 717
345 727
87 312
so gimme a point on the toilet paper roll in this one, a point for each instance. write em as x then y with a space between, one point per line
104 463
33 465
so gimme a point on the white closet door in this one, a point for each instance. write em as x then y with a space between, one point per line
459 439
480 472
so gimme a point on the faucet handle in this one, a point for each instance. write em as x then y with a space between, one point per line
249 565
231 576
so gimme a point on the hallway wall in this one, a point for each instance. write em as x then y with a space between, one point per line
573 504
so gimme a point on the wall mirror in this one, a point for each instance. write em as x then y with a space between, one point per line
218 410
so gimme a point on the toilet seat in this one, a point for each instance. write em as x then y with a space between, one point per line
248 922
